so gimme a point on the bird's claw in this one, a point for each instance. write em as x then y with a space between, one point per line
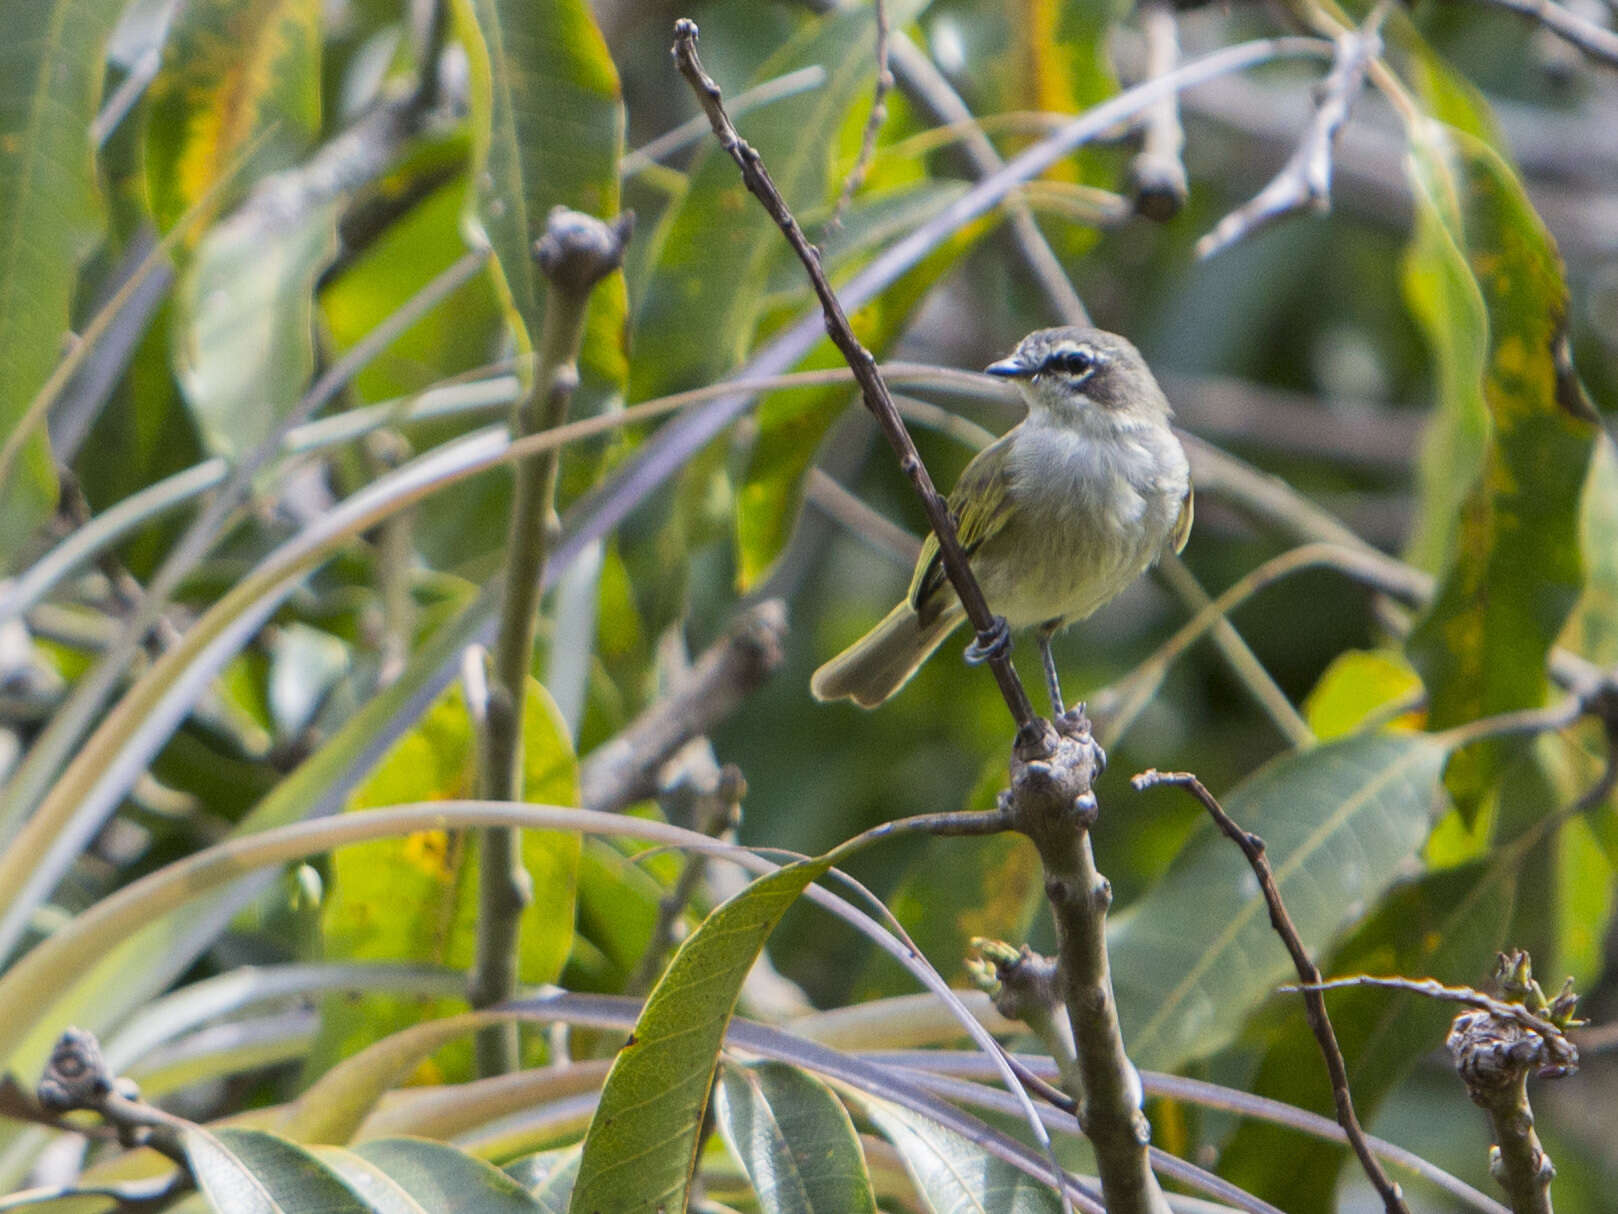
992 645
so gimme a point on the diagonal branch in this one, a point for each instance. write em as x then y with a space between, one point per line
1305 180
1314 1002
872 388
1594 40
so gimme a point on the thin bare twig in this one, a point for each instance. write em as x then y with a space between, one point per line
1559 1051
873 124
1305 180
1594 40
873 390
1314 1002
1157 178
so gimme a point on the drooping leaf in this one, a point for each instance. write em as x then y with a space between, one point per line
1196 954
1563 924
953 1175
794 1138
1592 629
415 899
641 1148
547 122
446 1180
50 84
1513 568
238 76
251 1172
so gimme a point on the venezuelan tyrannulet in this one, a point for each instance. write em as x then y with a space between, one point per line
1057 516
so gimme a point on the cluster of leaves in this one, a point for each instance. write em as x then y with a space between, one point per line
251 512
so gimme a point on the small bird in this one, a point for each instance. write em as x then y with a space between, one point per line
1056 517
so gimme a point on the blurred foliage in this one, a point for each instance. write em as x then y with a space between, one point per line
252 514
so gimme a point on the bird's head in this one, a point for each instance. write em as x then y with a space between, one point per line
1086 375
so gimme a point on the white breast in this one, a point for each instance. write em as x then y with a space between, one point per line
1096 507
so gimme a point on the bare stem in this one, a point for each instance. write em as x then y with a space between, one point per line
576 252
1157 177
1314 1002
1035 735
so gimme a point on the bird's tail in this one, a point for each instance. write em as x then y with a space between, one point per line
882 661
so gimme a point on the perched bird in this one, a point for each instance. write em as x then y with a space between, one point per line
1056 517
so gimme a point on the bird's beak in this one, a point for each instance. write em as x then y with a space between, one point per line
1009 368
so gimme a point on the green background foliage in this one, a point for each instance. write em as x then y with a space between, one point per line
213 678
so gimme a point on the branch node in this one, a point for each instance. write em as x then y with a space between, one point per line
578 250
77 1076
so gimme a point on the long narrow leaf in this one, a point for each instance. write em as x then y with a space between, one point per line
50 84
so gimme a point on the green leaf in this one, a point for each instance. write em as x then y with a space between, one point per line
548 125
50 216
548 1176
1196 954
246 315
238 76
953 1175
251 1172
1592 629
794 1138
1563 924
714 250
128 971
1358 687
382 1193
445 1180
415 899
641 1147
1514 569
409 253
333 1107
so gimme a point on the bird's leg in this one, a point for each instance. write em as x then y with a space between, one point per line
996 643
1058 706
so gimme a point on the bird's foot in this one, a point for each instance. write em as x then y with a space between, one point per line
1075 724
991 645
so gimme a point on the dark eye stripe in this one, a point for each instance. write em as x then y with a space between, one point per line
1074 362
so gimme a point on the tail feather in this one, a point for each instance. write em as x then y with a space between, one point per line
882 661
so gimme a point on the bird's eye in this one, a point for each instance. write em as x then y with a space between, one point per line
1073 362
